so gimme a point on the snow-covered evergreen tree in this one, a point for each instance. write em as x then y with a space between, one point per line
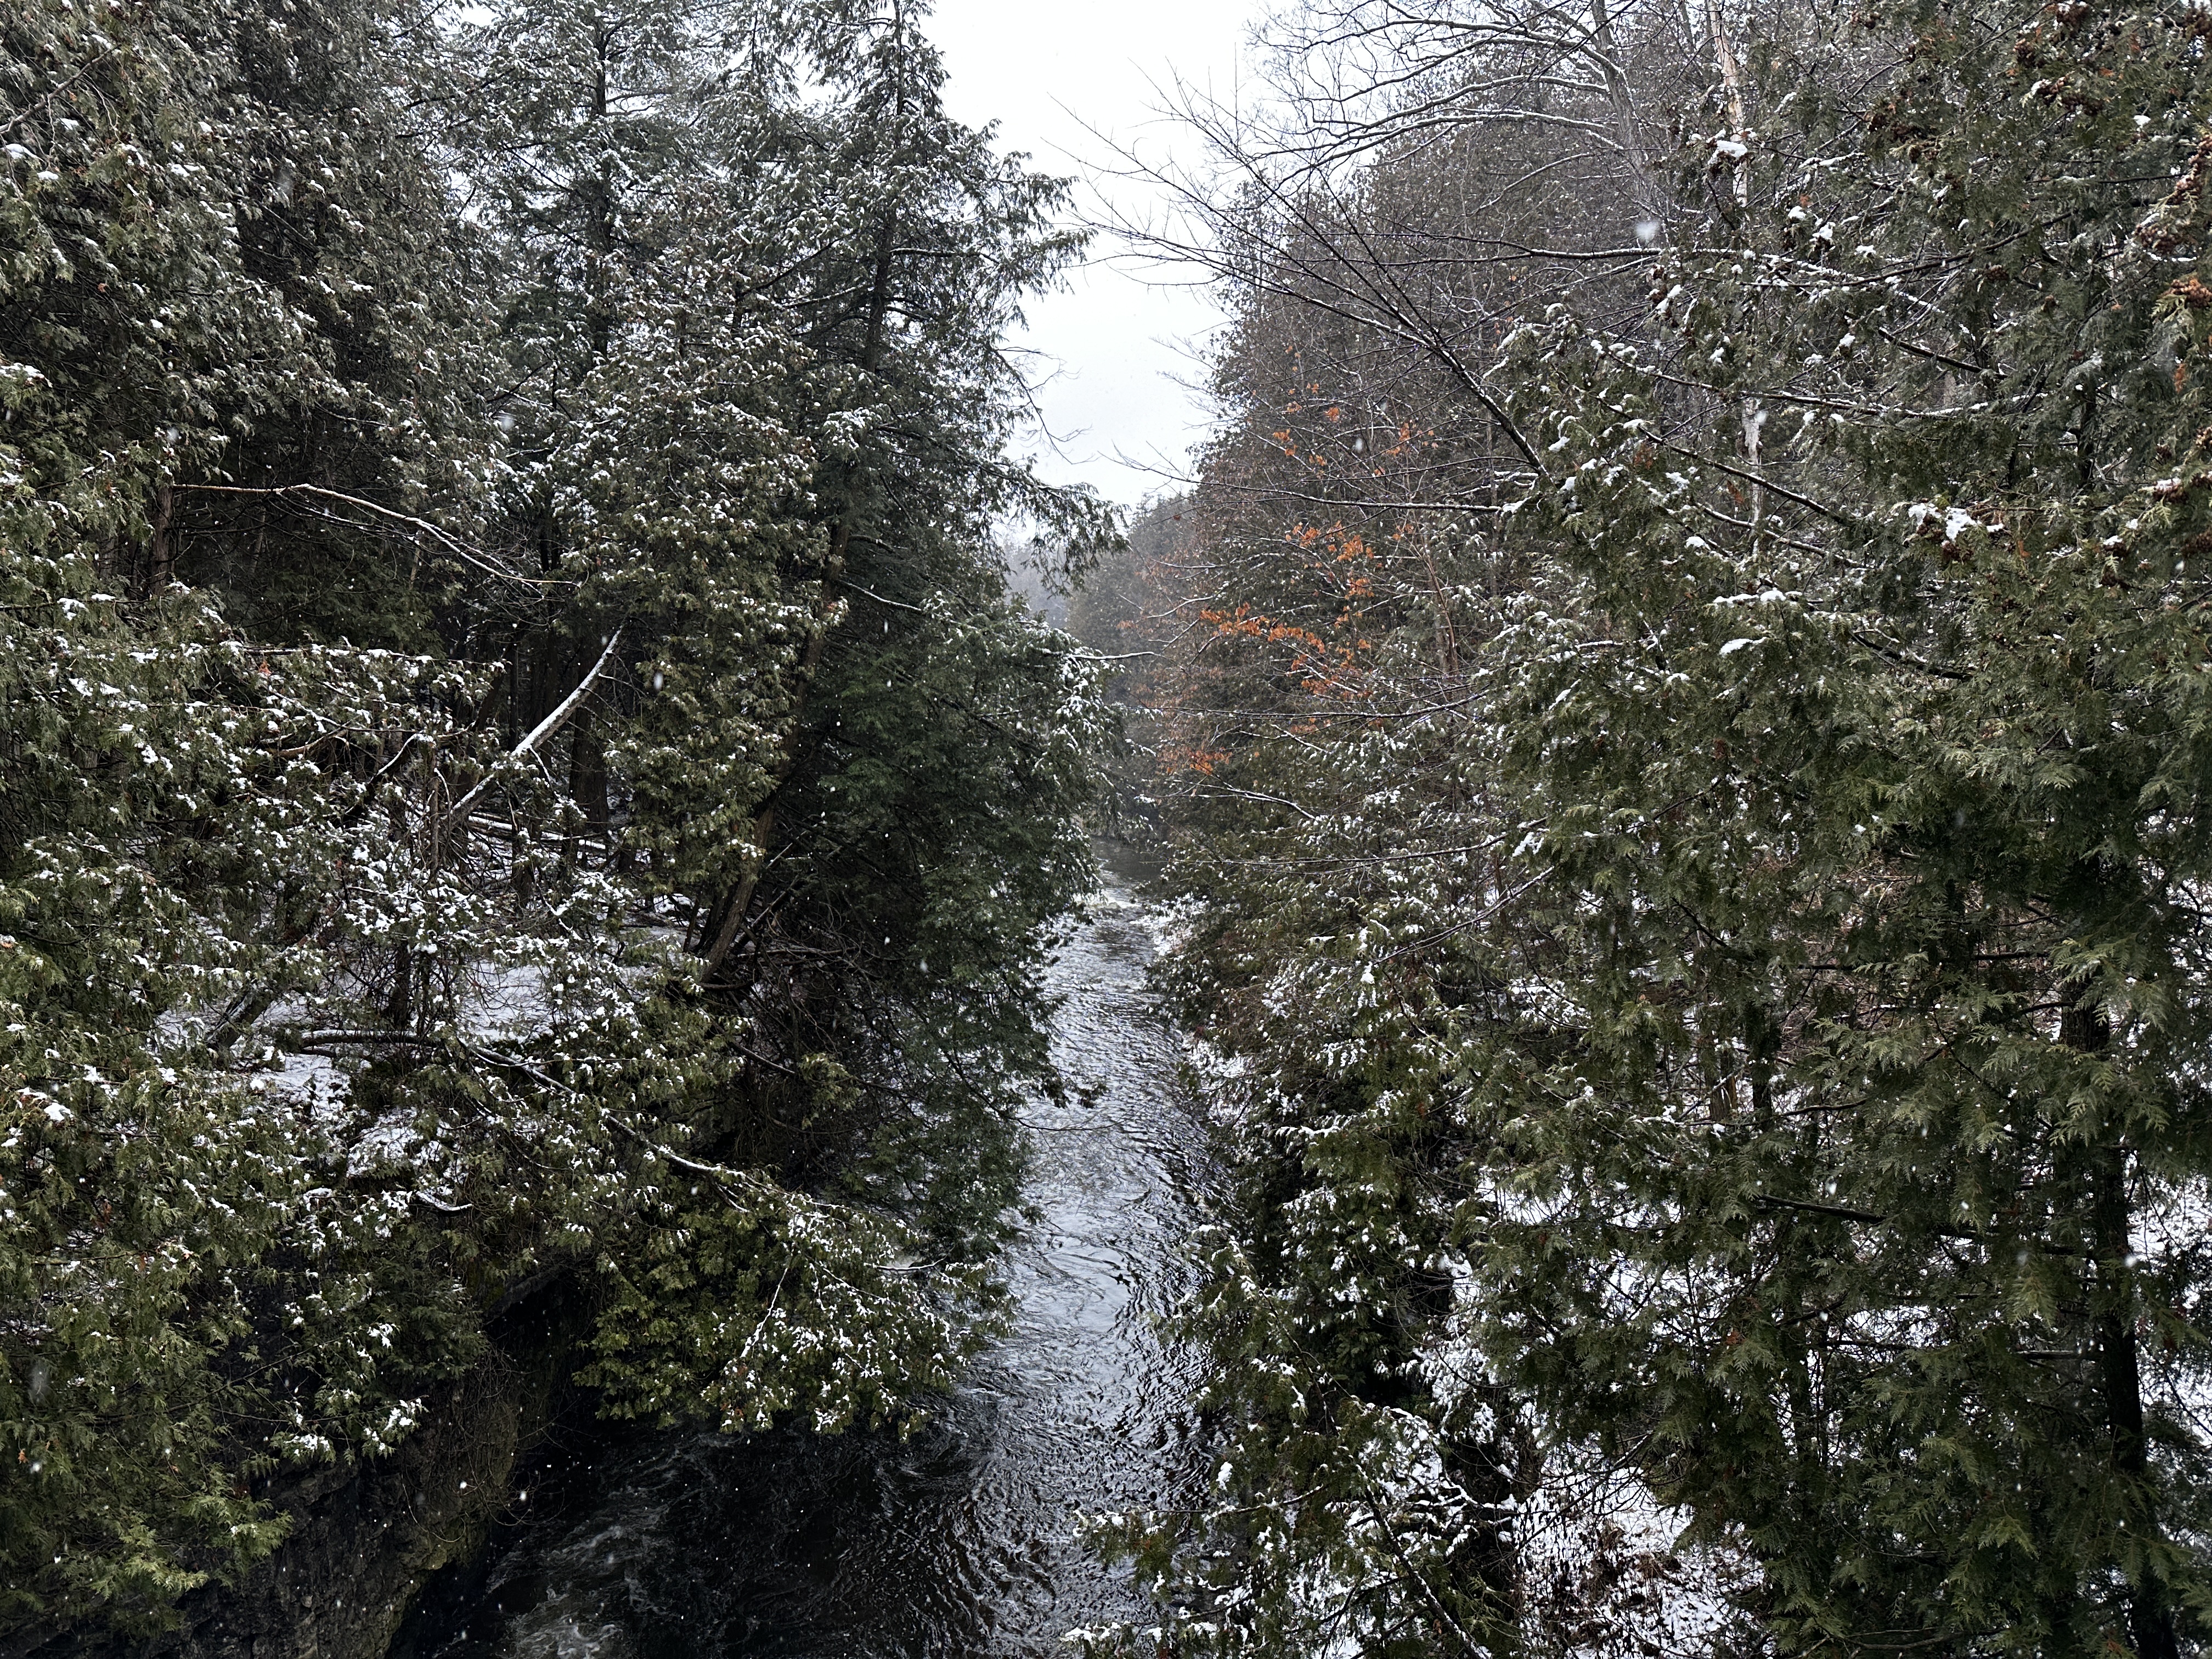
458 834
1721 1004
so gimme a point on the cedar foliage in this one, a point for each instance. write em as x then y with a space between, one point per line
1691 809
517 766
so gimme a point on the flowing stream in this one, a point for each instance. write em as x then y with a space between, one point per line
958 1543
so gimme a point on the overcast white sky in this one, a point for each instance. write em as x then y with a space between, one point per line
1043 70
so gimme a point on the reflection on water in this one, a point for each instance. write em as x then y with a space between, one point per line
957 1543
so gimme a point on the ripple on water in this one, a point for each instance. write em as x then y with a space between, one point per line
956 1543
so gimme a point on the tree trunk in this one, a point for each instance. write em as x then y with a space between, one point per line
161 544
399 1007
841 539
587 769
1652 201
734 917
2118 1366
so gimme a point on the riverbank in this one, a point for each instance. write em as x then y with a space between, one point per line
366 1540
959 1540
514 1523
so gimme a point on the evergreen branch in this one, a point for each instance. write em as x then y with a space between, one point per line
55 92
1905 658
369 790
869 592
1475 920
461 550
1232 793
1397 1550
1941 1229
500 1062
544 728
1835 515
